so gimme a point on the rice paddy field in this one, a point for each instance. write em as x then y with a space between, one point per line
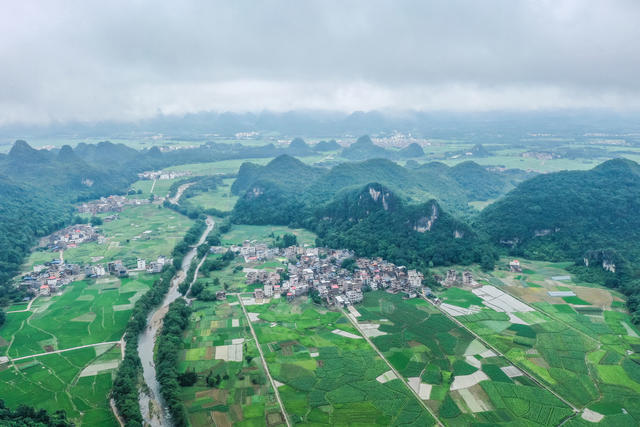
145 231
79 381
219 345
87 312
461 380
326 372
584 347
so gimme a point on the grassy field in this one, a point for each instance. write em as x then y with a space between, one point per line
584 347
328 378
141 232
220 198
244 395
265 233
427 348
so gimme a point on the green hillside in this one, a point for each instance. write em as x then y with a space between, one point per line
564 214
453 187
373 221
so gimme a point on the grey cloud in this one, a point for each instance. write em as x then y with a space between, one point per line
128 59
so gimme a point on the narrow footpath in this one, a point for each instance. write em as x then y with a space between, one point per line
63 350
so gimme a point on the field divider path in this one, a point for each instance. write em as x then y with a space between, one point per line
24 309
64 350
524 370
400 377
264 362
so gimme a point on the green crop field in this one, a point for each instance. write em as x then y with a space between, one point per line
77 382
141 232
87 312
427 348
265 233
585 355
328 378
239 392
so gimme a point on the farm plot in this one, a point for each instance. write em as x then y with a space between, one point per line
87 312
328 378
231 386
460 379
585 356
64 381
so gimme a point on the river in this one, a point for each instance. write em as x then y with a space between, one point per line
153 410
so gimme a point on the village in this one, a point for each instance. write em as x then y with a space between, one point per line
109 204
163 175
51 277
332 276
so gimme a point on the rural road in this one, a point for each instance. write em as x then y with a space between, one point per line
486 344
175 200
264 362
354 322
62 351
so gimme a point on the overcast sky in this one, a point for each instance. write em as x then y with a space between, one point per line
86 60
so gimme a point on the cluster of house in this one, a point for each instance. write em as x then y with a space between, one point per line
455 279
50 277
319 271
109 204
72 236
163 175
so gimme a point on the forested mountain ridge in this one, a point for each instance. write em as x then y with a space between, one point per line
289 173
373 221
26 212
564 214
453 187
365 149
588 216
